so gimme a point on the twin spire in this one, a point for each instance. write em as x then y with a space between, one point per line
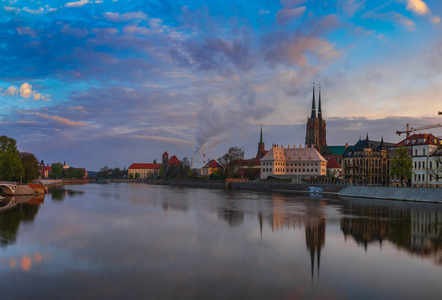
313 115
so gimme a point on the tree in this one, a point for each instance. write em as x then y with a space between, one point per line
56 171
435 170
11 168
228 160
117 173
184 168
401 164
155 161
105 172
30 166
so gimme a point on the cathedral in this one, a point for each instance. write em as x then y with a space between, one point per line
316 130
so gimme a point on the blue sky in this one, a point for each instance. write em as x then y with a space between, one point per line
97 83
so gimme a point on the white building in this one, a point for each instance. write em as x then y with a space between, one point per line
427 168
293 163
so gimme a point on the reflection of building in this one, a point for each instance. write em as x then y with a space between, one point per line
416 230
315 240
426 232
293 163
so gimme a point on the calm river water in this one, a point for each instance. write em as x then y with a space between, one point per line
137 241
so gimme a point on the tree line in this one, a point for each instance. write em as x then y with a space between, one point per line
16 165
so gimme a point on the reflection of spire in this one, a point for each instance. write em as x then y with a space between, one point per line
315 239
260 222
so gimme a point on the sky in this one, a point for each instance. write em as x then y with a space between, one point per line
112 82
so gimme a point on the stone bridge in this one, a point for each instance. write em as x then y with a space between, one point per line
12 188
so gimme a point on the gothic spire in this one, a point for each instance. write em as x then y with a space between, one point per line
313 116
319 106
260 139
367 141
382 142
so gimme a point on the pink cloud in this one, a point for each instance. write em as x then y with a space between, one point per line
285 15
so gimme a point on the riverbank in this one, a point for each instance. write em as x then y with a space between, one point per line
427 195
430 195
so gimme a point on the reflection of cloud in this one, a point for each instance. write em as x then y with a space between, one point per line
12 263
26 263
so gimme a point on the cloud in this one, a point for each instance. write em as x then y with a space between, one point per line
77 3
392 16
26 31
262 12
418 6
163 139
291 3
297 49
76 32
435 20
59 120
11 91
350 7
11 9
26 90
117 17
285 15
34 11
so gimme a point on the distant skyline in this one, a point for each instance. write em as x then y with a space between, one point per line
97 83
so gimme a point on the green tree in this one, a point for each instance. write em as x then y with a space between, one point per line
56 171
30 166
401 164
131 175
228 161
137 175
184 168
11 168
117 173
105 172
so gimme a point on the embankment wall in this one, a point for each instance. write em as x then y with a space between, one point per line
285 186
394 193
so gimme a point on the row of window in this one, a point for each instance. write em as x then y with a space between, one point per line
287 164
417 165
419 177
289 170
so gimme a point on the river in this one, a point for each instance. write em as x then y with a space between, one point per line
138 241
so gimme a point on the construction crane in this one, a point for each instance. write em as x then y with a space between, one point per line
411 129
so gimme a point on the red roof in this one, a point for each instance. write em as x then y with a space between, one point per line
144 166
247 162
419 139
333 164
212 164
173 161
47 168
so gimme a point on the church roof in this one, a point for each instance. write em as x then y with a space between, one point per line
332 150
173 161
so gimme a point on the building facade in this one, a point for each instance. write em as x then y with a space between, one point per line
425 151
366 162
143 170
295 163
316 131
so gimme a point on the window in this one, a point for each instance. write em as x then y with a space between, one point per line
423 151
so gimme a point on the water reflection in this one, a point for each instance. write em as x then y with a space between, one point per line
58 194
416 229
15 210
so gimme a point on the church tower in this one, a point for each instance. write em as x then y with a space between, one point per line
316 135
261 147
